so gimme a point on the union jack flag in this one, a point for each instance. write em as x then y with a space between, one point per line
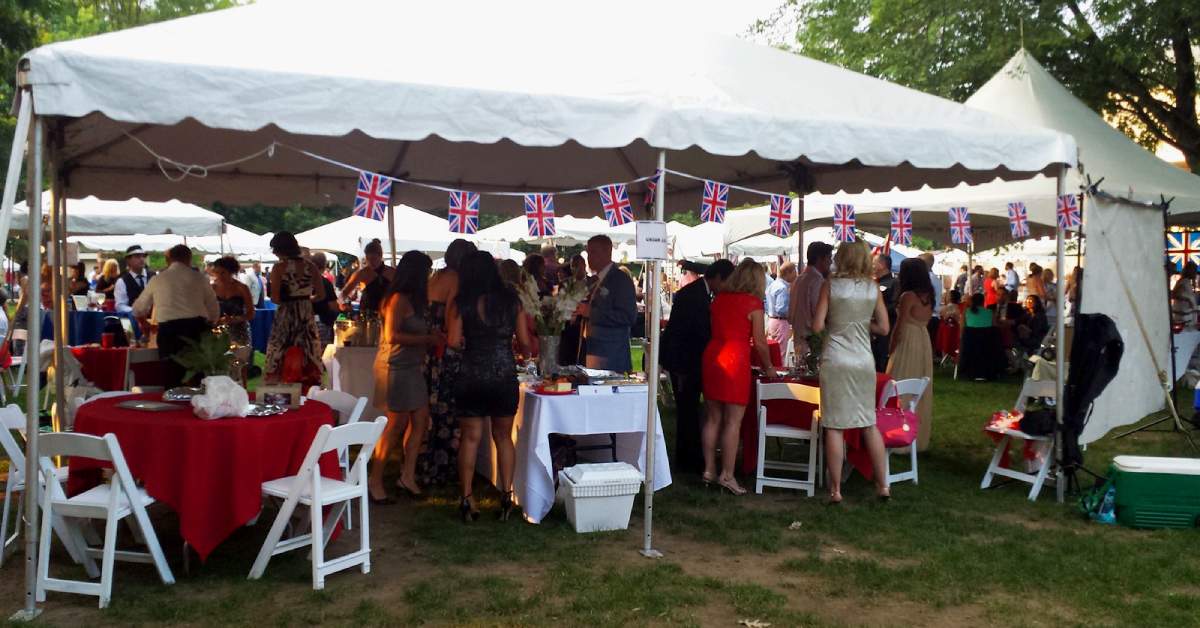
464 212
781 215
651 189
1018 220
372 195
901 226
539 213
960 226
843 222
883 249
1183 247
615 200
716 199
1068 212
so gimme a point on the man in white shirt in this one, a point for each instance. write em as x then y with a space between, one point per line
132 282
778 291
183 305
1011 280
250 277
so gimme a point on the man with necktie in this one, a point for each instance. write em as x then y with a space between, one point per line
610 310
133 281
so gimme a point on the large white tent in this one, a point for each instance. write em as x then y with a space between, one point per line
500 114
568 230
416 230
94 216
235 240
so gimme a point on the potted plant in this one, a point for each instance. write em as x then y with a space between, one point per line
210 355
550 315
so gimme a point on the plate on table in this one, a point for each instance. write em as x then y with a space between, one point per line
541 390
264 409
147 406
182 393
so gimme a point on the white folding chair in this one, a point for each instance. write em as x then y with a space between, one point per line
795 392
913 389
10 416
138 356
18 361
310 488
350 409
1031 388
111 502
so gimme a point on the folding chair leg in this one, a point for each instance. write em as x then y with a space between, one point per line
913 454
1001 447
364 533
1043 471
268 547
5 540
318 547
150 539
762 454
43 566
109 557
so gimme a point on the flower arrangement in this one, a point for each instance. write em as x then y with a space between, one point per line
551 313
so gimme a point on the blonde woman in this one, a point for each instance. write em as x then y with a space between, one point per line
851 308
737 318
107 281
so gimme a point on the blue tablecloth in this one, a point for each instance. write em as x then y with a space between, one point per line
260 326
84 327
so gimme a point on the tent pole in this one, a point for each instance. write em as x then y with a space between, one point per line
59 241
15 157
33 366
800 236
391 216
653 317
1060 359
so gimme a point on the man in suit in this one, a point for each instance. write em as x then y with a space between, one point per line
888 288
681 354
132 282
610 310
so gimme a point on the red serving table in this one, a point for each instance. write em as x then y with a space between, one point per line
799 415
210 472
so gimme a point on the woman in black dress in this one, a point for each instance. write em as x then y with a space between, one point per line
491 313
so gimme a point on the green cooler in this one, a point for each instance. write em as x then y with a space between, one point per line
1157 492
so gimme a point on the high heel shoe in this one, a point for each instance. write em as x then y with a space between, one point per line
506 506
732 486
386 500
408 492
885 495
466 511
708 479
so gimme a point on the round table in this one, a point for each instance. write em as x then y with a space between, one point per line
210 472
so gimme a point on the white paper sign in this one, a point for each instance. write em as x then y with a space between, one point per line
651 240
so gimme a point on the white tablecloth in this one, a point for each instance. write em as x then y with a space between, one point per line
576 415
352 370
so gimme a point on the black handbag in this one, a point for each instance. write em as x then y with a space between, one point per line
1038 422
112 325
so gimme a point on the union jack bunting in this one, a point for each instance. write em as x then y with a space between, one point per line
372 195
960 226
651 190
901 226
1068 212
464 212
1183 247
614 199
1018 220
539 213
781 215
843 223
714 202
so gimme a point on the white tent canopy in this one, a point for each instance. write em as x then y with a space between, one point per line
499 114
568 230
415 230
93 216
1025 92
236 240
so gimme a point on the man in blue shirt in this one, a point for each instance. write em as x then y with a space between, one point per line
778 327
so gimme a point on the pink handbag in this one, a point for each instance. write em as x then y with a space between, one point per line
898 427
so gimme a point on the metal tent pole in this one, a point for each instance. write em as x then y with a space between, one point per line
33 367
1060 361
652 371
58 241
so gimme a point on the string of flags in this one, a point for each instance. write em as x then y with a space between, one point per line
372 195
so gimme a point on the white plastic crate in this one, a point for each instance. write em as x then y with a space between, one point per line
599 496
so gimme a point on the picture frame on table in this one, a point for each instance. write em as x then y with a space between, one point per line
283 395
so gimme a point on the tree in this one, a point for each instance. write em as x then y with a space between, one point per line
1133 61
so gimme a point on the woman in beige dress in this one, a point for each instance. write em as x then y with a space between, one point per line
851 309
911 353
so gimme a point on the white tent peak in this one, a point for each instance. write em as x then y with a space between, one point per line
1024 92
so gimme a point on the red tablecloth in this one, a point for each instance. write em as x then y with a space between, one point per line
775 351
209 472
106 367
799 415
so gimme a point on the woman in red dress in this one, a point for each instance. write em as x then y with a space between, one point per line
737 318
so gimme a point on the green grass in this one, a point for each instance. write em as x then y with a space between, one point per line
943 552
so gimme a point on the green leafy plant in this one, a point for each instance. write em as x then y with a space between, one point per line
208 356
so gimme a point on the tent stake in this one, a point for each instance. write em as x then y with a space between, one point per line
652 371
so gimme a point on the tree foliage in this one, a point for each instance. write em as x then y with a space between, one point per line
1132 60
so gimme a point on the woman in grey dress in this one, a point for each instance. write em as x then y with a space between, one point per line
399 372
851 309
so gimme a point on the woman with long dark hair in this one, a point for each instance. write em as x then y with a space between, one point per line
438 462
490 313
399 379
910 351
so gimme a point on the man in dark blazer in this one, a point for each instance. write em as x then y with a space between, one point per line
610 310
683 342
